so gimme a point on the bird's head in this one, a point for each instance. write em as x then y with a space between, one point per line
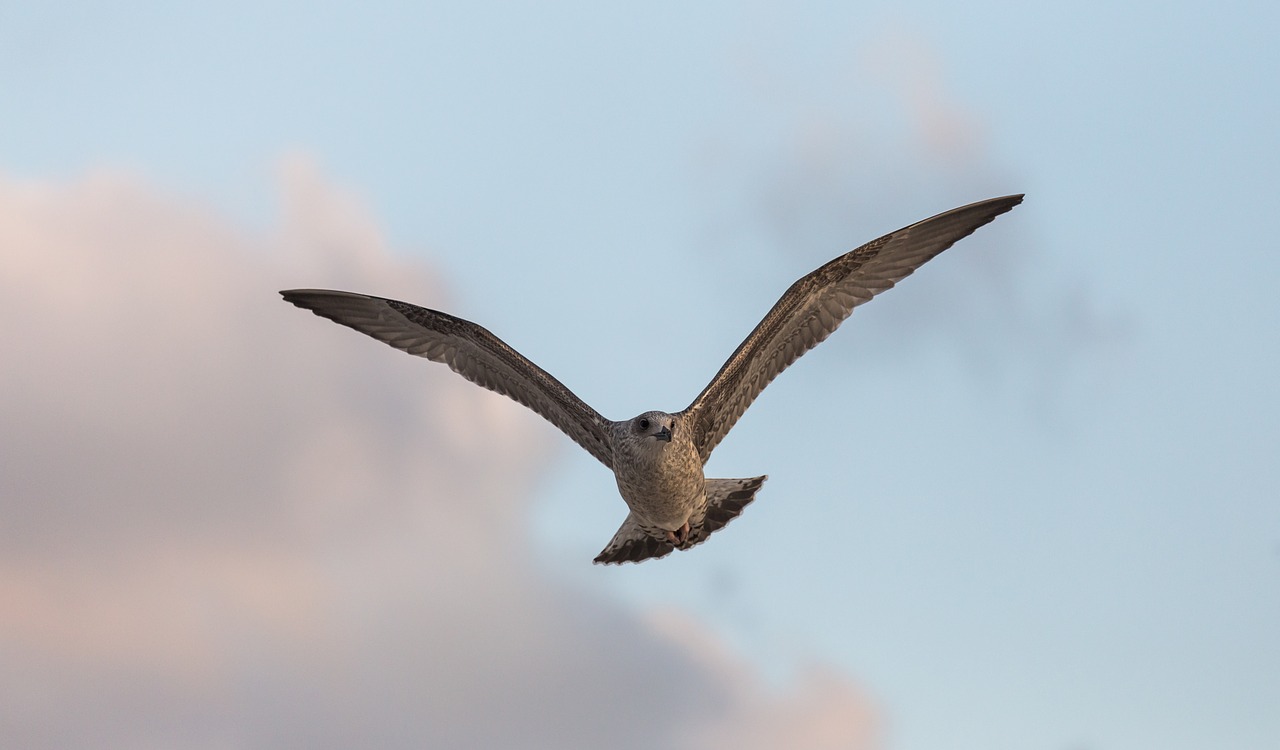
655 425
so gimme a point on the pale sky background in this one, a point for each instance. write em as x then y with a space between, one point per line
1029 499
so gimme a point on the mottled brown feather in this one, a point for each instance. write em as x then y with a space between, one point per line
469 350
817 304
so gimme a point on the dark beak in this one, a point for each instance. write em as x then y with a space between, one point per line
664 434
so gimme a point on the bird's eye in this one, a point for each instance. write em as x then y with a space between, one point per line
644 425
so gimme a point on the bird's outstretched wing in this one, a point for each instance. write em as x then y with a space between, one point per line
469 350
815 306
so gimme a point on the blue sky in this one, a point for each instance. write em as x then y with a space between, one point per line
1028 499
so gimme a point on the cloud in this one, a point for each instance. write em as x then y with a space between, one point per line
227 524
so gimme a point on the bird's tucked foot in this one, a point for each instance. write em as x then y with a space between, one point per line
679 536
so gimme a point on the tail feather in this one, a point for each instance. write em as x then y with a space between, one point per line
636 541
726 498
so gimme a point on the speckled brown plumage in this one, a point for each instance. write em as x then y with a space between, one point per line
657 457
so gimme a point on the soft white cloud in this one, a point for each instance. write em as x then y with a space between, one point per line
821 710
229 524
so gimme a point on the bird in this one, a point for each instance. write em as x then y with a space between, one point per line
658 457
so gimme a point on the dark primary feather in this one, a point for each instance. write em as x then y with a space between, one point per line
469 350
815 306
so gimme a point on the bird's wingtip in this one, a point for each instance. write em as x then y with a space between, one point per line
308 297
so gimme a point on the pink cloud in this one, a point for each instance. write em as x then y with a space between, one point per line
228 525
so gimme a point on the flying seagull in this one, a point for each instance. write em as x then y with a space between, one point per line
657 457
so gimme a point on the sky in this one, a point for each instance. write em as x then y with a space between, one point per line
1028 499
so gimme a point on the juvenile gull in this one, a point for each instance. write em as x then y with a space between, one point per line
657 457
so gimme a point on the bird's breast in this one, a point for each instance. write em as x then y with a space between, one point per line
663 485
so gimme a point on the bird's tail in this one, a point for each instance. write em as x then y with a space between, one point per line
635 541
725 500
